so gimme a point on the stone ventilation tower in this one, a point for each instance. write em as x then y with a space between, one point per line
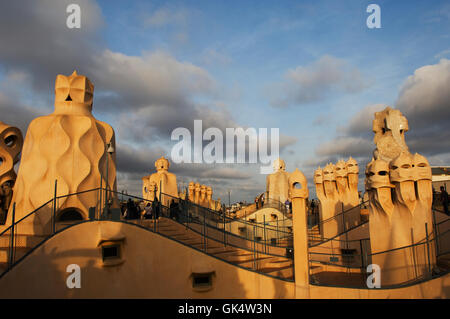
277 185
11 142
400 193
69 146
162 182
337 190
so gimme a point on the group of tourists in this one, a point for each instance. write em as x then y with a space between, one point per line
133 210
149 210
259 201
444 200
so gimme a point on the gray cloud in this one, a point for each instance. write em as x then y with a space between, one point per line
315 82
425 96
345 147
147 96
17 114
135 163
424 99
152 79
34 38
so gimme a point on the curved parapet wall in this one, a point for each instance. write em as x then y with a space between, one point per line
277 223
149 266
152 266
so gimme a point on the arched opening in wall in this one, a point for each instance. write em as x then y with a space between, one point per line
69 215
297 185
11 140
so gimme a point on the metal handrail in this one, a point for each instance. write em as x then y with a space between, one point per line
344 212
219 220
340 234
219 217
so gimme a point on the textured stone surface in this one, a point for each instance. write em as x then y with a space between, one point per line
400 193
337 190
202 195
69 146
277 185
160 182
11 142
389 127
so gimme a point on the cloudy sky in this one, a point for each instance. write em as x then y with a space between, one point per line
310 68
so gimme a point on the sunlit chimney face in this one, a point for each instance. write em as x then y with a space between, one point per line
74 89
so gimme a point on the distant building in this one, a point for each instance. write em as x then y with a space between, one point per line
440 177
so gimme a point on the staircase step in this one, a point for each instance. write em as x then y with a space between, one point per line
221 250
239 258
234 253
279 262
261 262
314 269
183 237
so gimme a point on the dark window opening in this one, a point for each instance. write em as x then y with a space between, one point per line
68 98
201 280
10 140
110 252
70 215
348 255
297 186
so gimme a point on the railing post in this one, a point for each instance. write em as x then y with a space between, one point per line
254 248
428 248
265 244
435 230
100 203
188 206
160 191
11 243
204 231
224 234
54 208
278 234
362 256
